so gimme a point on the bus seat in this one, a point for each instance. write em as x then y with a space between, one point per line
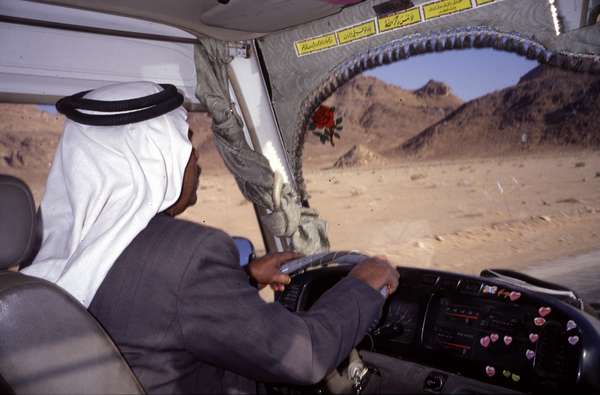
49 343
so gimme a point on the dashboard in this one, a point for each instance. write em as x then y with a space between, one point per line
473 328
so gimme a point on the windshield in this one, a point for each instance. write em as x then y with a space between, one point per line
460 161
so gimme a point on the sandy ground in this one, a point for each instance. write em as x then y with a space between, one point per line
456 215
581 273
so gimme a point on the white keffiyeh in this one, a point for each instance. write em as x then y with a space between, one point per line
105 185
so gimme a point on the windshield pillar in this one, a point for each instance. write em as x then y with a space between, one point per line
250 95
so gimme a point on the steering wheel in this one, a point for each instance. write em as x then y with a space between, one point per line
353 376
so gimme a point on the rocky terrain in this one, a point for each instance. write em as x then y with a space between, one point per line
359 155
376 114
548 110
28 139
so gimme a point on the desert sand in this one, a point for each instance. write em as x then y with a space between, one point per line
459 215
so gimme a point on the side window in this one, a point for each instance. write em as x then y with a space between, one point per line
29 135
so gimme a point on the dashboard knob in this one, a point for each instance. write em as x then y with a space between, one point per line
514 296
435 382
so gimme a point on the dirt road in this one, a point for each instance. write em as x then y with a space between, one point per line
581 273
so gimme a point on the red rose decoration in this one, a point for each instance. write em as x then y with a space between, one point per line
324 124
324 118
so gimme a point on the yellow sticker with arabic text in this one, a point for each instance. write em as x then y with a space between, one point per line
483 2
398 20
357 32
445 7
315 44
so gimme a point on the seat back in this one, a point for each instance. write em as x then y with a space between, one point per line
49 343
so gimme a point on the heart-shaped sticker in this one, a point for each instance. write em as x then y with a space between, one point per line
571 325
544 311
507 340
514 295
506 373
494 337
516 378
573 340
539 321
485 341
533 337
530 354
490 371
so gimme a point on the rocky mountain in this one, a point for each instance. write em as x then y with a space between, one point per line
433 89
359 155
547 109
376 114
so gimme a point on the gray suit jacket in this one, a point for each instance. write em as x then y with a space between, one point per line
187 320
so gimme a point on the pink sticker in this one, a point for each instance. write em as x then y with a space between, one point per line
494 337
514 295
530 354
507 340
485 341
539 321
544 311
533 337
573 340
490 371
571 325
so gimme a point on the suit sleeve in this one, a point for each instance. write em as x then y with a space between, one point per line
225 323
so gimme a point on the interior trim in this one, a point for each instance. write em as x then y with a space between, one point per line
95 30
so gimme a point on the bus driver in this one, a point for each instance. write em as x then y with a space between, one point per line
171 293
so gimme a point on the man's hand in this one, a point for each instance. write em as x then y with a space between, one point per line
265 271
378 272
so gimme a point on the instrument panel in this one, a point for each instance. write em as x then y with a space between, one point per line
475 327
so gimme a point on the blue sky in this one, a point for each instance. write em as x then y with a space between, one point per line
470 73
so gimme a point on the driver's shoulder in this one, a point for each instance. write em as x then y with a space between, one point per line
187 233
198 248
